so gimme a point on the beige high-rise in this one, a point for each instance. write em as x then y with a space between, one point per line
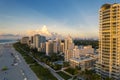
69 46
109 41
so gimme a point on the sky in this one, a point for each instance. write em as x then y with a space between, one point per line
79 18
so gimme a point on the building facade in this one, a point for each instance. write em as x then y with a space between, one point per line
62 47
24 40
69 46
83 63
37 40
108 64
49 47
55 47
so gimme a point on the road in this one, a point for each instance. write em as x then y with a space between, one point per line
17 67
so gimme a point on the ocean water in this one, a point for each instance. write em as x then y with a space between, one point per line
7 41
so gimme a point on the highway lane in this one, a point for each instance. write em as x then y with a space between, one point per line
17 67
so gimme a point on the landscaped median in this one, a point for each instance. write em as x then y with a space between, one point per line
64 75
41 72
71 71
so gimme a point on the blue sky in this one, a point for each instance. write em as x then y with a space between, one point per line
76 17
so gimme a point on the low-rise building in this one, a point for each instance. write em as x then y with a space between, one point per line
83 63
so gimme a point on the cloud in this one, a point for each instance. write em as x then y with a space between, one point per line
42 31
45 32
84 26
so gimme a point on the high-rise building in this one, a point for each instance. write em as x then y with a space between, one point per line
108 64
55 47
62 47
49 47
37 40
31 39
58 44
69 43
69 46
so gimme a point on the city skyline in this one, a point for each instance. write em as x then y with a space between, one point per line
60 40
77 18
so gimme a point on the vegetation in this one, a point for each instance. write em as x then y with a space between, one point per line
40 71
29 60
90 75
4 68
66 64
109 78
94 43
71 71
56 66
49 60
63 75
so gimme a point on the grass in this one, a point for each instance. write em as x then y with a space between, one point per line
64 75
71 71
4 68
29 60
42 73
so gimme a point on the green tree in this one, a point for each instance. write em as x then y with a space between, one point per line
108 78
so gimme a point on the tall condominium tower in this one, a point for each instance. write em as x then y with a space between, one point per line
108 64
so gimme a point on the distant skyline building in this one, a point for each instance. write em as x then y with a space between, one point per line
69 46
31 39
62 47
109 41
24 40
55 47
42 47
37 40
49 47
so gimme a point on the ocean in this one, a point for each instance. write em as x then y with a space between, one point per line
3 41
